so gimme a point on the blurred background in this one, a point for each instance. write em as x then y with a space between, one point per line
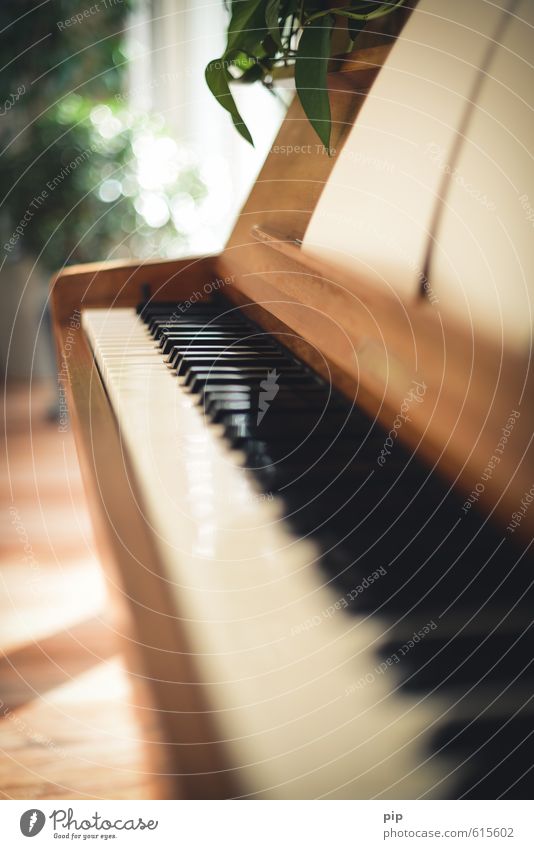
112 147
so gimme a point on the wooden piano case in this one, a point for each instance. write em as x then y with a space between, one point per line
373 345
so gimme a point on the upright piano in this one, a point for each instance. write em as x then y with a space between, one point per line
312 489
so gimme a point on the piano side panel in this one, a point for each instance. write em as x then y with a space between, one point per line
126 284
155 642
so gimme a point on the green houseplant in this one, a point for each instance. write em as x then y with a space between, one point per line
83 177
268 38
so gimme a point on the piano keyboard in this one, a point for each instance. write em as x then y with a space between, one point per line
358 635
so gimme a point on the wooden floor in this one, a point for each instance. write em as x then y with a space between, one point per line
68 725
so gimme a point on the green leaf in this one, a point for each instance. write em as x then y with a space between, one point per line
272 14
247 25
217 78
311 66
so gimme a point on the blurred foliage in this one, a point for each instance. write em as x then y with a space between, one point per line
66 137
265 38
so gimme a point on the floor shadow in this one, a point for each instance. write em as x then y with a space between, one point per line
34 669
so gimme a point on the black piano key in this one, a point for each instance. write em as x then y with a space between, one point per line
205 319
197 331
283 424
207 323
215 347
318 403
159 319
191 340
492 755
458 660
235 360
175 310
199 382
262 371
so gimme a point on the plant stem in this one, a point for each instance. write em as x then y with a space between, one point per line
347 12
